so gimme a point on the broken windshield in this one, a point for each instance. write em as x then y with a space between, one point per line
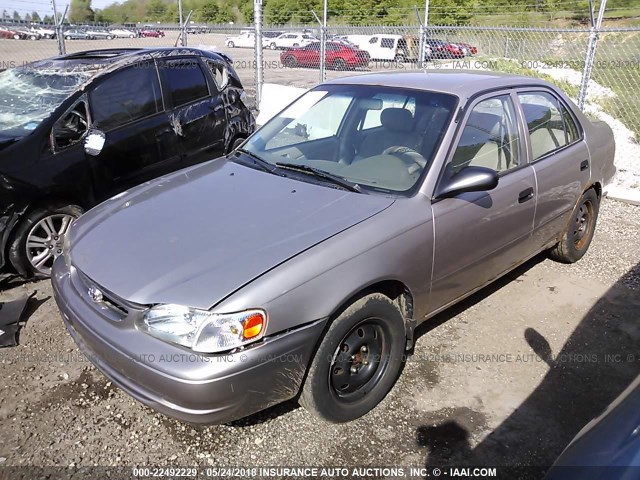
28 96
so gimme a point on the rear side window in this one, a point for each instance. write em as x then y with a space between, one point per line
220 74
185 80
573 134
387 43
547 125
126 96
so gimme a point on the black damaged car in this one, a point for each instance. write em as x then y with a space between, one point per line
80 128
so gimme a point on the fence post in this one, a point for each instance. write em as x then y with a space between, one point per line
591 52
323 43
59 33
257 18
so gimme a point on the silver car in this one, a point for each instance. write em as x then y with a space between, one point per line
300 264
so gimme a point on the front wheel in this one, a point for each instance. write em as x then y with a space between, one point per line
38 239
339 64
290 61
579 232
273 46
358 361
230 44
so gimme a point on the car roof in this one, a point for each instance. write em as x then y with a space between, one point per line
462 83
106 60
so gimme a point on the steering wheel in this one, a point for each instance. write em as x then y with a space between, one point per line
411 157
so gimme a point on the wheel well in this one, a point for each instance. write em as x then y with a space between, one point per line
394 289
598 188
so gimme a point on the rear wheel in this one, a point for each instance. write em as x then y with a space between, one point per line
273 46
289 61
579 232
399 58
339 64
231 44
358 360
38 239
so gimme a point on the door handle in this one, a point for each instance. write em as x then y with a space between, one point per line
584 165
525 195
164 131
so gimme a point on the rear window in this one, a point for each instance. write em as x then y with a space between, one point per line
185 80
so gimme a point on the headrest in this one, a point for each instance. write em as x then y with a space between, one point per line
398 119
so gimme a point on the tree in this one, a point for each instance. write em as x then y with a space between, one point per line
156 9
208 13
81 12
16 16
27 18
246 10
48 19
35 17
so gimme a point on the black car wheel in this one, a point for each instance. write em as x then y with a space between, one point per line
339 64
231 44
273 46
290 61
358 360
579 232
38 239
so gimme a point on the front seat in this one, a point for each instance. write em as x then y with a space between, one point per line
397 130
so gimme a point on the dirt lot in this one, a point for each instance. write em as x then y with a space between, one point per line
507 378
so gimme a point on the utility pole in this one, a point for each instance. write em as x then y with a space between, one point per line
257 20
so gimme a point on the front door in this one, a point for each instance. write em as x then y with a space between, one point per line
141 143
480 235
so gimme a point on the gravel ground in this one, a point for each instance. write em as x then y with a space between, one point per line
506 378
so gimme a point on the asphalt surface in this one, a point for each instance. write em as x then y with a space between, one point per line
506 378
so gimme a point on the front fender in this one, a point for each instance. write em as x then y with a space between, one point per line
396 244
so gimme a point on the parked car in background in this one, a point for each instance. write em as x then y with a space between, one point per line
289 40
77 129
441 49
338 56
148 32
246 40
468 49
47 33
99 33
123 33
76 34
397 48
9 33
608 447
26 33
300 264
271 34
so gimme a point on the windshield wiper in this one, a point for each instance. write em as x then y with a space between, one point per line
260 162
319 173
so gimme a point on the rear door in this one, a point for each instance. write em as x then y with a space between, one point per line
560 160
140 144
197 112
480 235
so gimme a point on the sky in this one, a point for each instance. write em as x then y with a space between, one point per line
43 7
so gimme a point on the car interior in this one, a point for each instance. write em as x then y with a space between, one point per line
381 141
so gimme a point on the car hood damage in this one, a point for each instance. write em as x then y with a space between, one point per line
196 236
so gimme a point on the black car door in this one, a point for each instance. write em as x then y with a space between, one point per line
141 143
198 112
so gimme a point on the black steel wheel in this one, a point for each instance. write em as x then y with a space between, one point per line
357 362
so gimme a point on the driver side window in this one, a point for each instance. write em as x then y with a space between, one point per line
71 127
490 137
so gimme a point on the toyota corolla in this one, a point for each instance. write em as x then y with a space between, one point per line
299 265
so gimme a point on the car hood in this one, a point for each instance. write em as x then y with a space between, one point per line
198 235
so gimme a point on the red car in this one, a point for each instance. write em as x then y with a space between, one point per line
145 32
8 33
467 48
339 56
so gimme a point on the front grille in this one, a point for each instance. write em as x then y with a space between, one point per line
108 299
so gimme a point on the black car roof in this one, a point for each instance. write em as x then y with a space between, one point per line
104 60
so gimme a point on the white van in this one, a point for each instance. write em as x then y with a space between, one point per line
386 46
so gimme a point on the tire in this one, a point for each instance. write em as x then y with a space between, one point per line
273 46
579 232
16 37
109 37
399 58
33 37
67 38
231 44
372 327
236 143
33 226
339 64
296 45
289 61
132 36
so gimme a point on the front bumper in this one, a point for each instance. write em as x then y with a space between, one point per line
192 387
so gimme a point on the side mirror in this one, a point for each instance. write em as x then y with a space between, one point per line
93 142
469 179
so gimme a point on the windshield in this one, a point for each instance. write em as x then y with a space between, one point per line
28 96
378 138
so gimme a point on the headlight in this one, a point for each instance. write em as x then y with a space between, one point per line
201 330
